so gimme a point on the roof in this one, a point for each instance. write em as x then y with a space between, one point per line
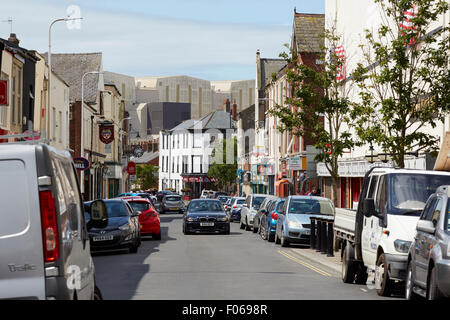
147 157
11 47
215 120
269 67
308 32
72 66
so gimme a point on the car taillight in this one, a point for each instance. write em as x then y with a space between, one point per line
235 206
274 216
49 226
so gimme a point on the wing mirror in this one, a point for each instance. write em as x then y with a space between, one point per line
98 213
137 213
426 226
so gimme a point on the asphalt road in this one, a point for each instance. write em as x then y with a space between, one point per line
239 266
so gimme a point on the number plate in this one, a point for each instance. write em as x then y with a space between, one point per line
173 208
103 238
207 224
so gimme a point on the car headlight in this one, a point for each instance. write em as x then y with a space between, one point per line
222 219
295 225
190 219
402 245
125 227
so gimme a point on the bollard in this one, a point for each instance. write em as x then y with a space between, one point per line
318 235
330 239
323 241
312 237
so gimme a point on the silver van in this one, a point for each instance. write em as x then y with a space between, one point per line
44 242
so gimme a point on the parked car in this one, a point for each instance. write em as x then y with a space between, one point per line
205 215
149 222
262 211
43 233
428 271
249 209
206 194
268 225
294 224
160 195
172 202
235 208
121 231
223 199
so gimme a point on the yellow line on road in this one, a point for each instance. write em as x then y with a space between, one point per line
323 273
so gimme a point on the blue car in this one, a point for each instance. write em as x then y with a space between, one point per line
235 208
268 224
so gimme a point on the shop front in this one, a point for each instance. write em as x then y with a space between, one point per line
193 184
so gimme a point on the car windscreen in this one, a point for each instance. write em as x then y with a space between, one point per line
172 198
257 202
205 206
408 192
310 206
240 201
116 209
222 199
139 206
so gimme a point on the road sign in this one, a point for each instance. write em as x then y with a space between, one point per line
81 164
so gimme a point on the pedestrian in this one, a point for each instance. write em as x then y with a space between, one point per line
313 192
243 194
318 192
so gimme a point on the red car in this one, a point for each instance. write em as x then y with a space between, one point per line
148 219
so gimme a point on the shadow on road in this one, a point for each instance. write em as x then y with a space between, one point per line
119 273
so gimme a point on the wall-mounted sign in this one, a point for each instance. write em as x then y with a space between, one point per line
131 168
81 163
106 133
295 163
3 92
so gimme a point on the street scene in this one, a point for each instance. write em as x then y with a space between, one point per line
248 152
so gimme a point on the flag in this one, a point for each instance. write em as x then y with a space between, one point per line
340 54
407 25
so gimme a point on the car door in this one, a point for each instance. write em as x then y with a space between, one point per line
369 243
423 241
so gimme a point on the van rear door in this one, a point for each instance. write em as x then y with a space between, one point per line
21 255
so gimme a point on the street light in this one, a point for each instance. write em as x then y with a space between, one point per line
372 156
50 66
82 121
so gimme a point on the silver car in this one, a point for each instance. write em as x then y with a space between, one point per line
294 220
172 202
249 209
428 271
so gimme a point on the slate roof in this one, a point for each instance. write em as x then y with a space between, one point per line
308 32
268 67
72 66
215 120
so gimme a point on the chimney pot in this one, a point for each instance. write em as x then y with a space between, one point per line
13 39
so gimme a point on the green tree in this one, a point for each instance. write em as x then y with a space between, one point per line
224 166
147 176
319 108
404 79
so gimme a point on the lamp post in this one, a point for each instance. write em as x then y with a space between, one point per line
372 156
82 121
50 67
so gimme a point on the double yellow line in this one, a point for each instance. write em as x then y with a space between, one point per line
307 265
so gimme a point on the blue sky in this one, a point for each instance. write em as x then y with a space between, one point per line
212 40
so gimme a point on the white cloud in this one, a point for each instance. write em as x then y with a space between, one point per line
139 43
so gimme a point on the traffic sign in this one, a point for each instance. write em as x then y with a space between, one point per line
131 168
81 164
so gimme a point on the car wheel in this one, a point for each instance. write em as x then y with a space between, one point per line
382 278
276 240
255 228
284 242
242 226
157 236
432 288
409 292
134 248
247 227
270 237
262 232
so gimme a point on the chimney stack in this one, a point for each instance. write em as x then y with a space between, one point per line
234 111
13 39
226 105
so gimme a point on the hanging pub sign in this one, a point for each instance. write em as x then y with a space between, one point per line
3 92
81 163
106 133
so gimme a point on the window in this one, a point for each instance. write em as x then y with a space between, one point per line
372 188
433 211
380 203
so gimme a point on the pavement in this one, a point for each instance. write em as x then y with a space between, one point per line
333 264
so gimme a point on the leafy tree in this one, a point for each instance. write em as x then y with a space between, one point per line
319 108
221 169
147 176
403 78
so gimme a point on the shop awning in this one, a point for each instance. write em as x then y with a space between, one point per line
443 159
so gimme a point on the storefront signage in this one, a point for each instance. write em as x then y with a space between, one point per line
295 163
106 133
81 164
